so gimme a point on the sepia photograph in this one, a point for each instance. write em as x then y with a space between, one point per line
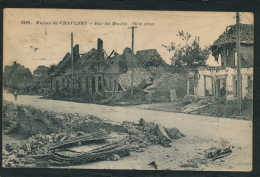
127 89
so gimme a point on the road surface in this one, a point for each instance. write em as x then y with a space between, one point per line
237 132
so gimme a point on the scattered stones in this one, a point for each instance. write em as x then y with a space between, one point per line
140 134
9 147
140 150
115 157
141 122
20 153
144 134
174 133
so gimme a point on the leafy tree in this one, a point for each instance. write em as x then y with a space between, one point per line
190 54
53 69
16 76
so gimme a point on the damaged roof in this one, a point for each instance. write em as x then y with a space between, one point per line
229 35
86 61
65 63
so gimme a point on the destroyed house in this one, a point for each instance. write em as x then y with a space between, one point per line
150 57
221 81
87 71
224 48
96 72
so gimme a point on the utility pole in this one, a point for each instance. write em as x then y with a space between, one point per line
239 79
132 77
72 63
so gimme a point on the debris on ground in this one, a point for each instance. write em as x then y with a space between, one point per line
165 140
96 136
144 134
49 146
112 151
194 106
153 165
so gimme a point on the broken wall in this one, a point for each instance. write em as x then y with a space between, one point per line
230 75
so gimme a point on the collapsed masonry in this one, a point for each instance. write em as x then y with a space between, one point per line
52 135
167 87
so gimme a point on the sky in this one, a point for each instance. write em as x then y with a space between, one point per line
34 37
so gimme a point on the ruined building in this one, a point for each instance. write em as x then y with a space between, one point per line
95 72
221 81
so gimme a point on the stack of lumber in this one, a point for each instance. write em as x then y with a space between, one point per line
99 135
67 158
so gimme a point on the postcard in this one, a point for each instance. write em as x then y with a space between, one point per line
127 89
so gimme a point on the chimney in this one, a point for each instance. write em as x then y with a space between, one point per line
100 45
100 54
76 50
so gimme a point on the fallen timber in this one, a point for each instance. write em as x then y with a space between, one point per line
103 153
99 135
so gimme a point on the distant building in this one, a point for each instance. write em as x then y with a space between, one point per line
150 57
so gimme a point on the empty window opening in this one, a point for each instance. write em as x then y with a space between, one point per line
208 86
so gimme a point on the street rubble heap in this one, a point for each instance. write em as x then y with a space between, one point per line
51 146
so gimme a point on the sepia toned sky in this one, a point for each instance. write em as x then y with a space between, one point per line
37 44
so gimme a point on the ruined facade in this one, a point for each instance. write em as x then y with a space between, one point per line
221 81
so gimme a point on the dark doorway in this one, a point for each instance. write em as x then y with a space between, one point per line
221 87
191 85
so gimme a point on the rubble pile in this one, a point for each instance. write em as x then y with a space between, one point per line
51 134
30 121
91 124
23 155
144 134
10 118
162 86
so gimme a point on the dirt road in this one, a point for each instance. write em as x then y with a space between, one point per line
195 127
